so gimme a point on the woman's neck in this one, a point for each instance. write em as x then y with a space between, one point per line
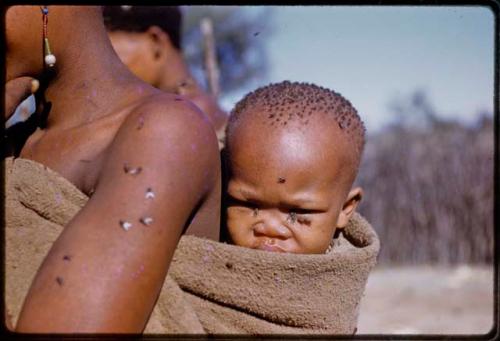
87 90
90 82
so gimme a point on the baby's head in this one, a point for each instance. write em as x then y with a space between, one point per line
293 152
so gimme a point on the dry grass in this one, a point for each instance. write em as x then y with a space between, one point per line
429 191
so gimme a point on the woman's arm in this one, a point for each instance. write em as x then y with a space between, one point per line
105 271
16 91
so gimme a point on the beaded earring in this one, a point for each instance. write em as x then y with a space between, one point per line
49 58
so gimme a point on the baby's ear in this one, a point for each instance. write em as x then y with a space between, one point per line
352 200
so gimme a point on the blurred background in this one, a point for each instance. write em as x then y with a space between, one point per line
422 79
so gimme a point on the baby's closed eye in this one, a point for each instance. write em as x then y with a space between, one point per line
299 216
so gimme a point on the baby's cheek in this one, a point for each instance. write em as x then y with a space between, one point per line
239 227
315 239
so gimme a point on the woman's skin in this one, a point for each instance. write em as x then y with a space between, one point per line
116 138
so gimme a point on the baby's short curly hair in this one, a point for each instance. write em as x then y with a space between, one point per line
286 101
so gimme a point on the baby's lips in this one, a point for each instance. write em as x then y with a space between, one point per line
268 247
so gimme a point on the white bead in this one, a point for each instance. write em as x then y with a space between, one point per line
50 60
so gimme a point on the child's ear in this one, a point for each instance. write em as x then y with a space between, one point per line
352 200
159 39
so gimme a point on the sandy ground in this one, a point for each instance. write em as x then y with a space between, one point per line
428 300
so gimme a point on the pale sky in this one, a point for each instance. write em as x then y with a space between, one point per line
372 55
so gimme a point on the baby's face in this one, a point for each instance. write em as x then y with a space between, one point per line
286 189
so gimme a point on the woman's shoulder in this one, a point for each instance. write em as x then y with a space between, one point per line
168 112
174 131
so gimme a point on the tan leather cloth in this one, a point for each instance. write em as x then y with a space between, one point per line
211 287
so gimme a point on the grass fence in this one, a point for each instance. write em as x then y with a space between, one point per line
429 192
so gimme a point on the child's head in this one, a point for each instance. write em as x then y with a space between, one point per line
293 151
144 38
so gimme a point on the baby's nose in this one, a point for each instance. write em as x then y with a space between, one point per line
272 229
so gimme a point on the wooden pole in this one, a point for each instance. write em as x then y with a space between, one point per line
211 66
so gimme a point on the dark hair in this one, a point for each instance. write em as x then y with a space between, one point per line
286 101
140 18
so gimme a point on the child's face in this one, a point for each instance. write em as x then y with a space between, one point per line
286 188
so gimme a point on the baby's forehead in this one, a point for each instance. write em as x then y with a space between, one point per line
319 141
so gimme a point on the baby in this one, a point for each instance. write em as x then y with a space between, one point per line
292 153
